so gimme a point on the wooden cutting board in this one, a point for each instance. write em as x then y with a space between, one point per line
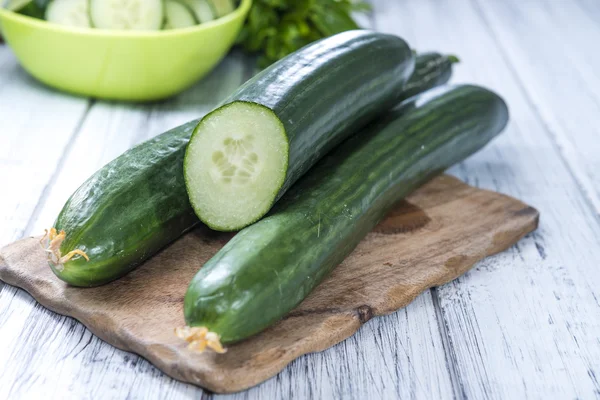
432 237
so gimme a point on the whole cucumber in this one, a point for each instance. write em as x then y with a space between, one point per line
431 70
124 213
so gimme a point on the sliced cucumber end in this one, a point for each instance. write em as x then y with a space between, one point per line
235 165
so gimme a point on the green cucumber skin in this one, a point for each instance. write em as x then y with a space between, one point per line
113 257
270 267
127 211
325 92
32 10
328 90
431 70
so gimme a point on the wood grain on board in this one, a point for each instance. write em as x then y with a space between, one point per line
432 237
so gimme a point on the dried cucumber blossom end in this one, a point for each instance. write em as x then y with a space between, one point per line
52 247
199 338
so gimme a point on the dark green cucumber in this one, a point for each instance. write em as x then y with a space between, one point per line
126 212
131 208
245 155
270 267
431 70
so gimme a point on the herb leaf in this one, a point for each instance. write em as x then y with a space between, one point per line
276 28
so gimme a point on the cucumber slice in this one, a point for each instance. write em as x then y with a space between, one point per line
246 150
203 9
223 7
178 15
69 12
127 14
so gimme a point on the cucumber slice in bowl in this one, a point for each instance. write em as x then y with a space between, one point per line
127 14
178 15
203 10
73 13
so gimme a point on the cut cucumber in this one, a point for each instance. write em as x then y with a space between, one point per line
69 12
127 14
223 7
306 104
203 9
243 162
178 15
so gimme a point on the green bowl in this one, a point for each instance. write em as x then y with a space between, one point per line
121 65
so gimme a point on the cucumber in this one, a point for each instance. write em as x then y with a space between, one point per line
270 267
124 213
223 7
431 70
127 14
73 13
145 189
178 15
203 10
243 156
33 10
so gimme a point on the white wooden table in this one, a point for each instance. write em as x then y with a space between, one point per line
523 324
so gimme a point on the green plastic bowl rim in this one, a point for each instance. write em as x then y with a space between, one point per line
240 11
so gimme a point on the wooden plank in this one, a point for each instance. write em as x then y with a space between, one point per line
566 90
591 8
38 124
523 323
55 355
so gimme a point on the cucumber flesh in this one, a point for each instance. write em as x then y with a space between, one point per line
203 10
127 14
178 15
73 13
223 7
241 154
